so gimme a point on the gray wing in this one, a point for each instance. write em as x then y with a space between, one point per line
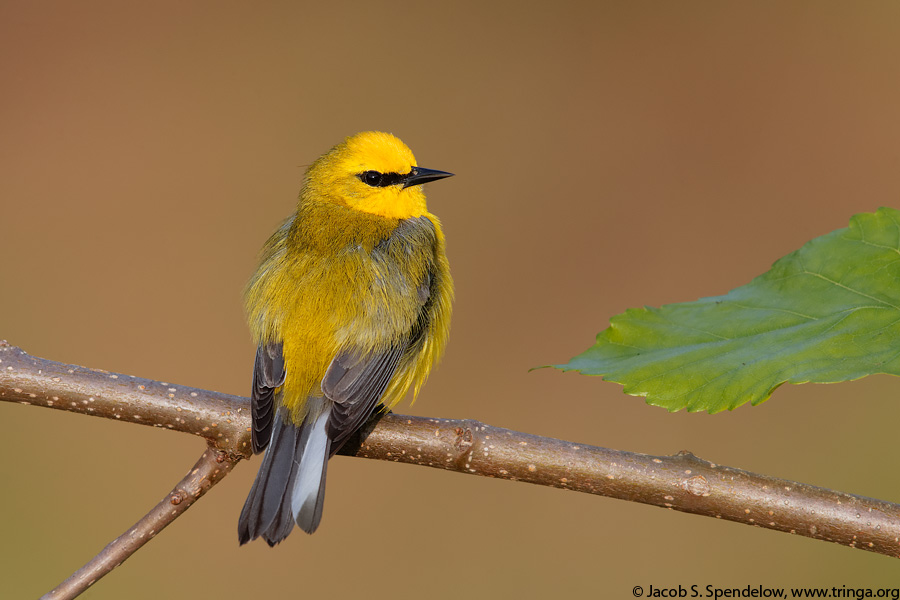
354 383
268 374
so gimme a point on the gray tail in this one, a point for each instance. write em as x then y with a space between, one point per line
290 484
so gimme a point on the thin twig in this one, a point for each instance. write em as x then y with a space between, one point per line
212 466
680 482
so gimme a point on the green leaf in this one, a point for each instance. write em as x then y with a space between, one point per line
827 312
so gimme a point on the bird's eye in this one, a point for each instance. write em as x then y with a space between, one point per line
376 179
373 178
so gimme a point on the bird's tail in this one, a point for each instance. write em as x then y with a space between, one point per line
290 485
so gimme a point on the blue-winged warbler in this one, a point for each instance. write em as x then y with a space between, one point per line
350 306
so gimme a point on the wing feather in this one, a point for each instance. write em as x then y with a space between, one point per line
268 375
354 383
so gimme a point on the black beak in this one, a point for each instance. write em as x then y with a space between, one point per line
419 175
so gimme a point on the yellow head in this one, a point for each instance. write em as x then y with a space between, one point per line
373 172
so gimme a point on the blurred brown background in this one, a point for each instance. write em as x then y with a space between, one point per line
608 155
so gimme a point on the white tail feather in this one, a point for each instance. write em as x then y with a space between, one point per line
305 496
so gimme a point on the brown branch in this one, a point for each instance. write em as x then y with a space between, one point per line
681 482
223 420
212 466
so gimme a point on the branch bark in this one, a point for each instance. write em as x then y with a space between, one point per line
223 420
212 466
680 482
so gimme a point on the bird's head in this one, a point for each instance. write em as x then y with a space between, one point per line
373 172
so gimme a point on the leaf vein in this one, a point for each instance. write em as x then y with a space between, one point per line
851 290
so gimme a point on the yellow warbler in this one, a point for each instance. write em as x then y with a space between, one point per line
350 306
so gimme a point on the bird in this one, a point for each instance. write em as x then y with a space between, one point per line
349 309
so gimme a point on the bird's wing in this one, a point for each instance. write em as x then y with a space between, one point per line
268 374
355 383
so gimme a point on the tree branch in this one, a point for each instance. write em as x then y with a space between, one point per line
212 466
221 419
681 482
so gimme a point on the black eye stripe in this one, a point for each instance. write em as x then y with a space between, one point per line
376 179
